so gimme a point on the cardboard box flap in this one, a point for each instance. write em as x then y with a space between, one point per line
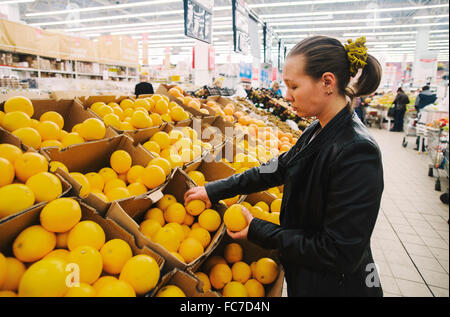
8 137
211 169
260 196
141 136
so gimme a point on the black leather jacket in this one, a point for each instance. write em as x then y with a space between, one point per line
332 194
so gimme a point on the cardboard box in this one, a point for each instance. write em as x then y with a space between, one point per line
7 137
28 94
130 213
264 196
163 89
251 253
10 229
71 110
187 282
211 169
93 156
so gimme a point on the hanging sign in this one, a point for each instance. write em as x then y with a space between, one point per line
240 26
198 19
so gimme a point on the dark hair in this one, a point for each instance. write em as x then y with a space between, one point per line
326 54
426 87
400 89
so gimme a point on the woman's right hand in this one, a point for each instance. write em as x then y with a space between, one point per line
197 193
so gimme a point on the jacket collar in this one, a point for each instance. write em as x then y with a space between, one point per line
327 132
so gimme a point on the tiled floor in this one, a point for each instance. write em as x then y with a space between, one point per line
410 241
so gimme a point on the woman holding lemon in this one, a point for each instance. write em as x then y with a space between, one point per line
333 176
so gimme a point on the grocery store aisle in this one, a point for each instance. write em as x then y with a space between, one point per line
411 237
410 242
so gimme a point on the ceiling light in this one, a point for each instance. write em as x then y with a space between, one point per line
329 22
431 17
299 3
359 27
108 18
15 2
300 14
99 8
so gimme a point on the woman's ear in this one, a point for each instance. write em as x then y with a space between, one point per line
329 83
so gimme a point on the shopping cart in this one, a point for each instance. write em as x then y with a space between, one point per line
374 116
411 127
438 152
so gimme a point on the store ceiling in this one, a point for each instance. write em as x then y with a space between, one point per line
390 26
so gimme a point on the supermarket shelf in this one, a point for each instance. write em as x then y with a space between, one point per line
54 71
23 69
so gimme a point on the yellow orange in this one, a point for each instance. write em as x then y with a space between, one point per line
190 249
235 289
29 136
233 253
210 220
85 233
10 152
60 215
201 235
153 176
19 103
220 275
121 161
156 214
234 219
14 198
115 254
141 272
71 138
7 172
89 261
150 227
45 186
175 213
33 243
82 290
14 272
83 181
266 270
170 291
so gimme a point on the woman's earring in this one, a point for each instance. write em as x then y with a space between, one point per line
329 92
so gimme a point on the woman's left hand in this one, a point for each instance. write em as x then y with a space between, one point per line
240 235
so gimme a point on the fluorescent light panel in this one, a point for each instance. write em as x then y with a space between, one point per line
99 8
16 2
329 22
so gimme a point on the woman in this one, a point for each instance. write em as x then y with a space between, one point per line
333 177
400 102
276 89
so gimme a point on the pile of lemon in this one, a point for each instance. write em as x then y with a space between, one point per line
188 101
140 113
233 277
51 248
179 146
48 130
184 230
121 179
24 180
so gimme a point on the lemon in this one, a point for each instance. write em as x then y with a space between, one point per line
60 215
233 253
92 129
175 213
112 119
14 198
53 166
85 233
59 254
48 130
220 275
134 173
168 238
7 172
33 243
195 207
19 103
16 120
141 272
103 280
150 227
15 270
156 119
121 161
235 289
153 176
82 290
210 220
163 163
45 278
141 120
137 189
118 193
166 201
54 117
114 183
152 146
155 214
116 289
241 272
266 270
254 288
83 181
108 174
10 152
115 254
45 186
234 219
275 206
205 279
95 180
170 291
72 138
264 206
197 177
89 261
177 228
201 235
126 103
51 143
29 136
162 138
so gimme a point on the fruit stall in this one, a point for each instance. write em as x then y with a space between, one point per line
95 185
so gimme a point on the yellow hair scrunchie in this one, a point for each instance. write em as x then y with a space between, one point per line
357 54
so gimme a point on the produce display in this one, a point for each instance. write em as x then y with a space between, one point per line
48 130
230 274
107 266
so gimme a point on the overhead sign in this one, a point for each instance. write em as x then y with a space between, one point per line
240 26
268 38
198 19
